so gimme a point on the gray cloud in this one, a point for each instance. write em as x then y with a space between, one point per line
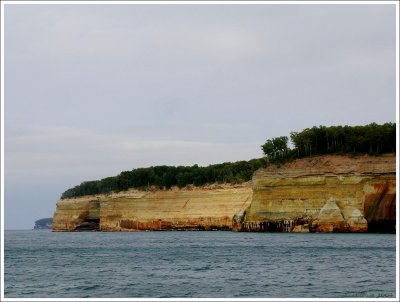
91 90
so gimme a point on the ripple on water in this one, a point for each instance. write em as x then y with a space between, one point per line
198 264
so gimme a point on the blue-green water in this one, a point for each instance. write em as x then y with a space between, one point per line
198 264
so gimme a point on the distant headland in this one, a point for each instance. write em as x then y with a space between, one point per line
43 224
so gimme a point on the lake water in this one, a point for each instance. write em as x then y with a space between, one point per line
43 264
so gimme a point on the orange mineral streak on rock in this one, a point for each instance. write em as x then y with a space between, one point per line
301 228
328 193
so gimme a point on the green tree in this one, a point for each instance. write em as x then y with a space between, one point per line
275 147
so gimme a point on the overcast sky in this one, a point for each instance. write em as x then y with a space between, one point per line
93 90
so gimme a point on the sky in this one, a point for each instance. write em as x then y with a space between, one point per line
93 90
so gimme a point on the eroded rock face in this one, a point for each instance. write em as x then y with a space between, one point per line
325 194
329 218
301 228
319 194
196 209
356 223
380 205
77 214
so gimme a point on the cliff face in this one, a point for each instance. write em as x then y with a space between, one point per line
191 209
77 214
325 194
319 194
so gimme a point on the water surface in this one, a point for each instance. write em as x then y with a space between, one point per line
43 264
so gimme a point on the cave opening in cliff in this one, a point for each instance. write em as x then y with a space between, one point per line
90 219
89 224
380 209
383 226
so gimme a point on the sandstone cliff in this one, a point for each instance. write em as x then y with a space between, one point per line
325 194
188 209
319 194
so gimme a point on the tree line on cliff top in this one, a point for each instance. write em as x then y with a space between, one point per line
168 176
371 139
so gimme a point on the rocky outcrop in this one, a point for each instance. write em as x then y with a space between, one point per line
329 218
77 214
319 194
325 194
208 208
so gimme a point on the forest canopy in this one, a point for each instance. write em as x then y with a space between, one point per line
371 139
168 176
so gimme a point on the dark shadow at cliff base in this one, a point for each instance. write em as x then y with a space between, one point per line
388 226
89 225
280 226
